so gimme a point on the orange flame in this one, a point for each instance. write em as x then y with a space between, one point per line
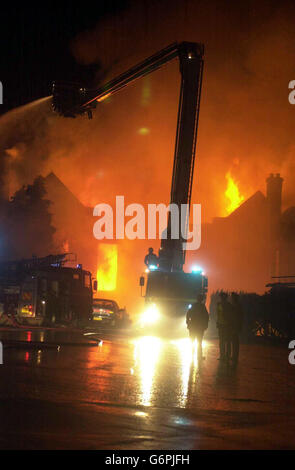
232 194
107 267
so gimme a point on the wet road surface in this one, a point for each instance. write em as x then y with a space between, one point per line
143 393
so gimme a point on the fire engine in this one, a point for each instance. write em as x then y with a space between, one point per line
45 291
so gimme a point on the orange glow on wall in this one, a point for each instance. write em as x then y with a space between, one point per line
107 267
232 194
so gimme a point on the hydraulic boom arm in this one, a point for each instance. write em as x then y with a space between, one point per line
72 100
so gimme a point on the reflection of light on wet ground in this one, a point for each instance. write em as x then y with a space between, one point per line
155 358
181 420
141 414
146 355
39 355
189 363
187 352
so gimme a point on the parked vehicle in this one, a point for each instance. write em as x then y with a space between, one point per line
108 313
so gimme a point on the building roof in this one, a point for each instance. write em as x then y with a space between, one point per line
58 192
254 204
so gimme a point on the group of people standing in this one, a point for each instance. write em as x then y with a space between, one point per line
229 324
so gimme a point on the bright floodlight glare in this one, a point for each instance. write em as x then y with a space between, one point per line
152 267
150 315
197 269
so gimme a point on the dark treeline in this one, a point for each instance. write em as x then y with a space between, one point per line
26 224
271 315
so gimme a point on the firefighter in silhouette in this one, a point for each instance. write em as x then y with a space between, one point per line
197 319
236 325
151 259
224 316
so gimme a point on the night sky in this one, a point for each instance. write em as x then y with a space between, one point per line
35 46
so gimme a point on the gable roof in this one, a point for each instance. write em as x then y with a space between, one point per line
254 205
67 209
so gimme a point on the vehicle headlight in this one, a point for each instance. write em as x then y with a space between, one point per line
150 316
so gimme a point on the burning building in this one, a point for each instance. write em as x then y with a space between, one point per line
73 222
256 241
240 251
71 219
